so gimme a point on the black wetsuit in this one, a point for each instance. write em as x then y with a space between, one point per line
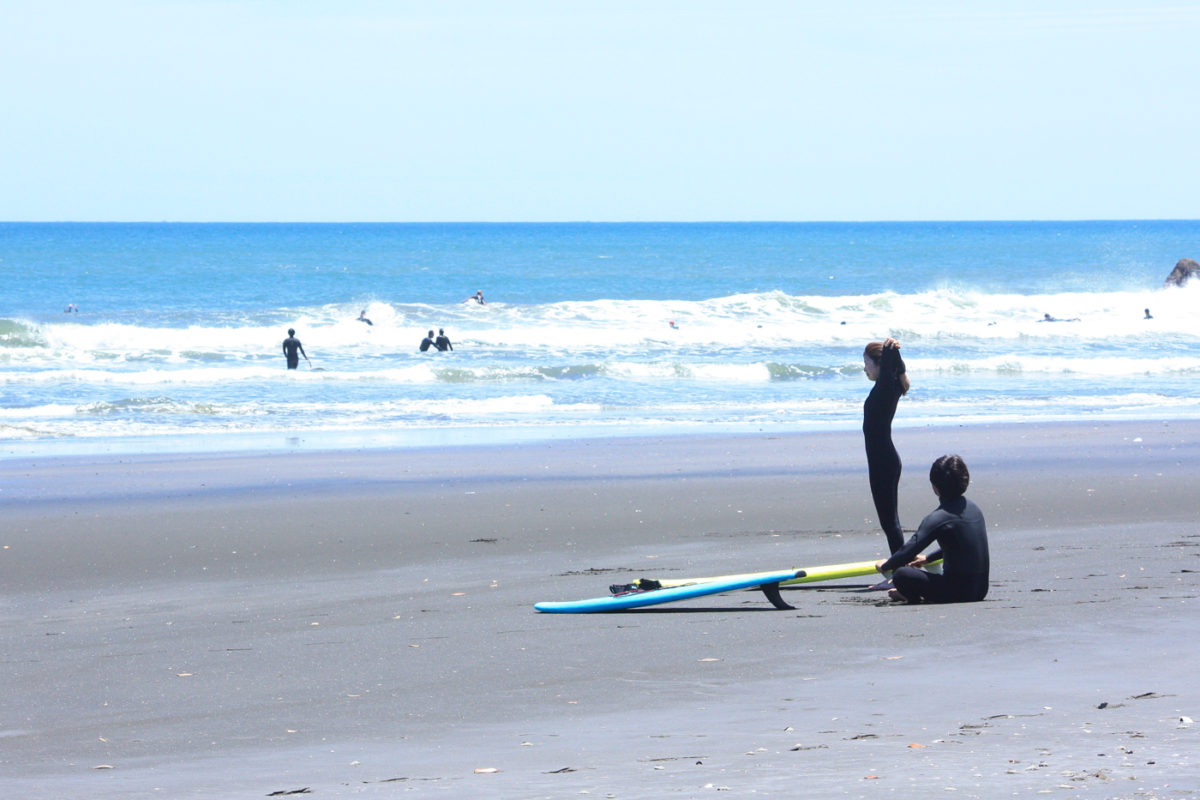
290 347
426 343
957 525
443 343
883 462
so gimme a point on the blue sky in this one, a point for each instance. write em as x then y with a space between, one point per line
560 110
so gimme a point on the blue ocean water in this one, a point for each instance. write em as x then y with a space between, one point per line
588 328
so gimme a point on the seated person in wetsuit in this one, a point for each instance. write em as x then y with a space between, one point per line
957 526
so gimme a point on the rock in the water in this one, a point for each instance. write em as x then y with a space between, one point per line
1182 273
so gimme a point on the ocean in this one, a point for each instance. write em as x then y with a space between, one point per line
589 329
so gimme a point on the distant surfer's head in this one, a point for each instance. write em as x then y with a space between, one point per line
291 331
950 477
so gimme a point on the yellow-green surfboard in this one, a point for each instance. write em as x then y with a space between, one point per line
829 572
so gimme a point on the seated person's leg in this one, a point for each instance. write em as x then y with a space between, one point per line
917 585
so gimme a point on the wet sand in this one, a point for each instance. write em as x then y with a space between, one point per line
361 623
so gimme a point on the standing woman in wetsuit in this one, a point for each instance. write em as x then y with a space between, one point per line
883 365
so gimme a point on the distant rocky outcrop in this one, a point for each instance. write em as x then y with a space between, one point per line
1182 273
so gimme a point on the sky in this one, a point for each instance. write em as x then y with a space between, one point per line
696 110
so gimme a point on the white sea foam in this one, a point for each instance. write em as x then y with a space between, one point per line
749 359
767 318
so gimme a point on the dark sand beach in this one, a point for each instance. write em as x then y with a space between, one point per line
361 623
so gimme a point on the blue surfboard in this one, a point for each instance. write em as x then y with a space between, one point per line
767 581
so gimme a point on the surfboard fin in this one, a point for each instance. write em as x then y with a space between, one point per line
771 590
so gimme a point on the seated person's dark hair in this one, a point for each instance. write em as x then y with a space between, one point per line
950 476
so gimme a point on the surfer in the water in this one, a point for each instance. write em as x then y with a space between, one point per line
290 347
442 342
478 298
958 528
427 342
883 365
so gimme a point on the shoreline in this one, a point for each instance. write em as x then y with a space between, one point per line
162 474
370 440
360 623
469 437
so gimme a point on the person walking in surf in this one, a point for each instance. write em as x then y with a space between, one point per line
290 347
883 365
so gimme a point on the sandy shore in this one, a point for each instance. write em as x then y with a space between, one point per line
362 624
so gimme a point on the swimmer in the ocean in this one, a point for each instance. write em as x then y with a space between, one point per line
442 342
427 342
